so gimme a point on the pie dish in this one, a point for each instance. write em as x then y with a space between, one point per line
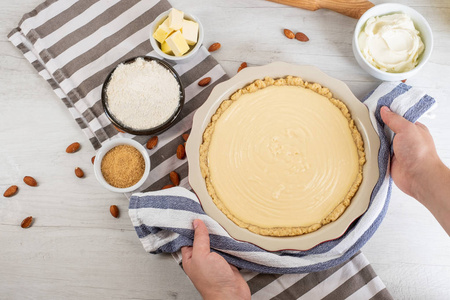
282 157
360 116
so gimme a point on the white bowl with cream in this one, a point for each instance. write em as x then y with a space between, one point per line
157 46
385 44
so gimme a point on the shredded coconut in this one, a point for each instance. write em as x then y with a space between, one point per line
142 94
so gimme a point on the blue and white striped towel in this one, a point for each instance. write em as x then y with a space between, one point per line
163 219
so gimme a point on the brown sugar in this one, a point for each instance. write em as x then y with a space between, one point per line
123 166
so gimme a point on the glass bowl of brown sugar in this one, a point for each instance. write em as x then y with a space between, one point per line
122 165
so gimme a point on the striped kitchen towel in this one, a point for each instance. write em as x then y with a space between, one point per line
74 44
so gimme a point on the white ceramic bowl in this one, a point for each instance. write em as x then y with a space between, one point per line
360 115
156 45
421 25
108 146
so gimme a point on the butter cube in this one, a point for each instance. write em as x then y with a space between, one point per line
190 31
163 31
176 19
165 48
177 43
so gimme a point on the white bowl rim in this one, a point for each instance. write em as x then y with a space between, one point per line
389 9
108 145
158 50
361 117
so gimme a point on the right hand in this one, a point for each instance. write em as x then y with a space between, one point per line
415 158
416 167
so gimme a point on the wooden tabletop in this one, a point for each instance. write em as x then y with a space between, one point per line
76 250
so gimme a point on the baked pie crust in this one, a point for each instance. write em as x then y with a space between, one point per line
282 157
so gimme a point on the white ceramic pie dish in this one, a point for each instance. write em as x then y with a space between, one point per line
360 115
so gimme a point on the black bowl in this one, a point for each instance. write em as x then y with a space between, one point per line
154 130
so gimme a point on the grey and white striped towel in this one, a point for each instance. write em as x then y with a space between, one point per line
74 44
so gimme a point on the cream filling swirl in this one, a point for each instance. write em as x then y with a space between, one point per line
282 157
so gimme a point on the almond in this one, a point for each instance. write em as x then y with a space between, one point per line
114 210
30 181
214 47
93 159
204 81
152 142
404 80
168 186
301 37
174 177
79 172
185 136
289 34
243 65
26 222
73 147
11 191
181 153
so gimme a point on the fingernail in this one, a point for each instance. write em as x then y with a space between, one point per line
195 224
387 108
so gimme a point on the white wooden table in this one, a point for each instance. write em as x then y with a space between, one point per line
76 250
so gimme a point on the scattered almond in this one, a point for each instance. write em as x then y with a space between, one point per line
168 186
73 147
93 159
243 65
185 136
79 172
152 142
114 210
301 37
11 191
174 177
181 153
26 222
289 34
204 81
30 181
404 80
214 47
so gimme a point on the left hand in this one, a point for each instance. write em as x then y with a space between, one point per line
210 273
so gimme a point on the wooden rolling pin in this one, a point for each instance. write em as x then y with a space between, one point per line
351 8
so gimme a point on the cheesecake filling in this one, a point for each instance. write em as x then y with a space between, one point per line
282 157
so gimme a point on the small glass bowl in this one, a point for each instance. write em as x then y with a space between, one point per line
148 131
108 146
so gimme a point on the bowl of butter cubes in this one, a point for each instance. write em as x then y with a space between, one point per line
176 35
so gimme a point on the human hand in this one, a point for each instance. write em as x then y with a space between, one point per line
210 273
415 157
416 167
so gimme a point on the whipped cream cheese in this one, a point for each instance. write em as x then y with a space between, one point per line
391 43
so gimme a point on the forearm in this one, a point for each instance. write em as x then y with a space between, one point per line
434 193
